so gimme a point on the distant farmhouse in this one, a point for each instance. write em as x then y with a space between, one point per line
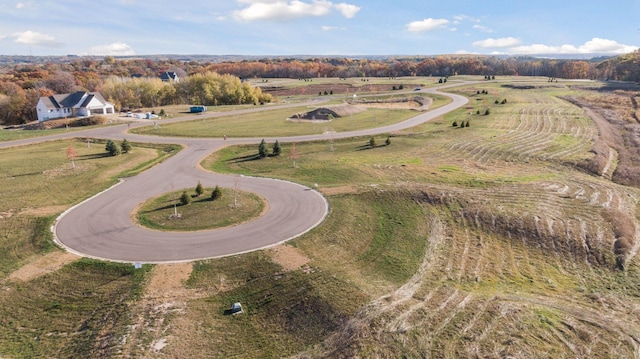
169 76
77 104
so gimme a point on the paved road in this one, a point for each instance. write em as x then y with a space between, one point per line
101 227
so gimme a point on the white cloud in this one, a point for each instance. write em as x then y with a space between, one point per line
347 10
35 38
501 42
114 49
289 10
20 5
593 46
483 28
332 28
427 25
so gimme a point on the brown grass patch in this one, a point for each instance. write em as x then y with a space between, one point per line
288 257
42 266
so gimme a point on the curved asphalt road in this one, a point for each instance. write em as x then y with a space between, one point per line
101 227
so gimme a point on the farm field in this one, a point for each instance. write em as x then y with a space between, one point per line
505 238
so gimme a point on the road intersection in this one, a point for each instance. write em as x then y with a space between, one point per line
101 226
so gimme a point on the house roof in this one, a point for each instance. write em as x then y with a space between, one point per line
68 100
168 75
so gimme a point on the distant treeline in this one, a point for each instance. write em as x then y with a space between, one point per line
624 68
135 82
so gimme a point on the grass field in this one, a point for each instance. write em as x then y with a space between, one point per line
483 241
34 191
274 123
232 208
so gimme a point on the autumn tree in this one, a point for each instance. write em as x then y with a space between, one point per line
72 154
293 154
61 82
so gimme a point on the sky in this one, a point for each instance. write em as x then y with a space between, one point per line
318 27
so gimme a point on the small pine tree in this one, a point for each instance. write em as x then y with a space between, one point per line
199 189
185 199
393 88
319 93
487 112
125 145
401 87
504 101
496 101
113 148
262 149
455 124
277 149
467 123
372 142
388 141
162 113
331 92
217 193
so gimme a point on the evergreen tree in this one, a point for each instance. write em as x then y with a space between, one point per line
113 148
455 124
277 149
199 189
217 193
125 145
262 149
388 141
467 123
185 199
372 142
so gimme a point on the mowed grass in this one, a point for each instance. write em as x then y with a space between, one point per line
232 208
37 183
274 123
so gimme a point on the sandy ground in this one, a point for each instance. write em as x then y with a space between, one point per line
289 257
43 265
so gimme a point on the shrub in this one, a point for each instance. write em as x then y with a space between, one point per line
216 193
113 148
455 124
372 142
125 145
185 199
388 141
487 112
262 149
277 150
199 189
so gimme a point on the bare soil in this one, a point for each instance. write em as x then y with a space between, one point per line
42 266
165 295
289 257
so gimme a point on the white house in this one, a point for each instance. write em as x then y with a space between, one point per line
170 76
77 104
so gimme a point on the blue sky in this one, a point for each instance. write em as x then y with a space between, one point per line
318 27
